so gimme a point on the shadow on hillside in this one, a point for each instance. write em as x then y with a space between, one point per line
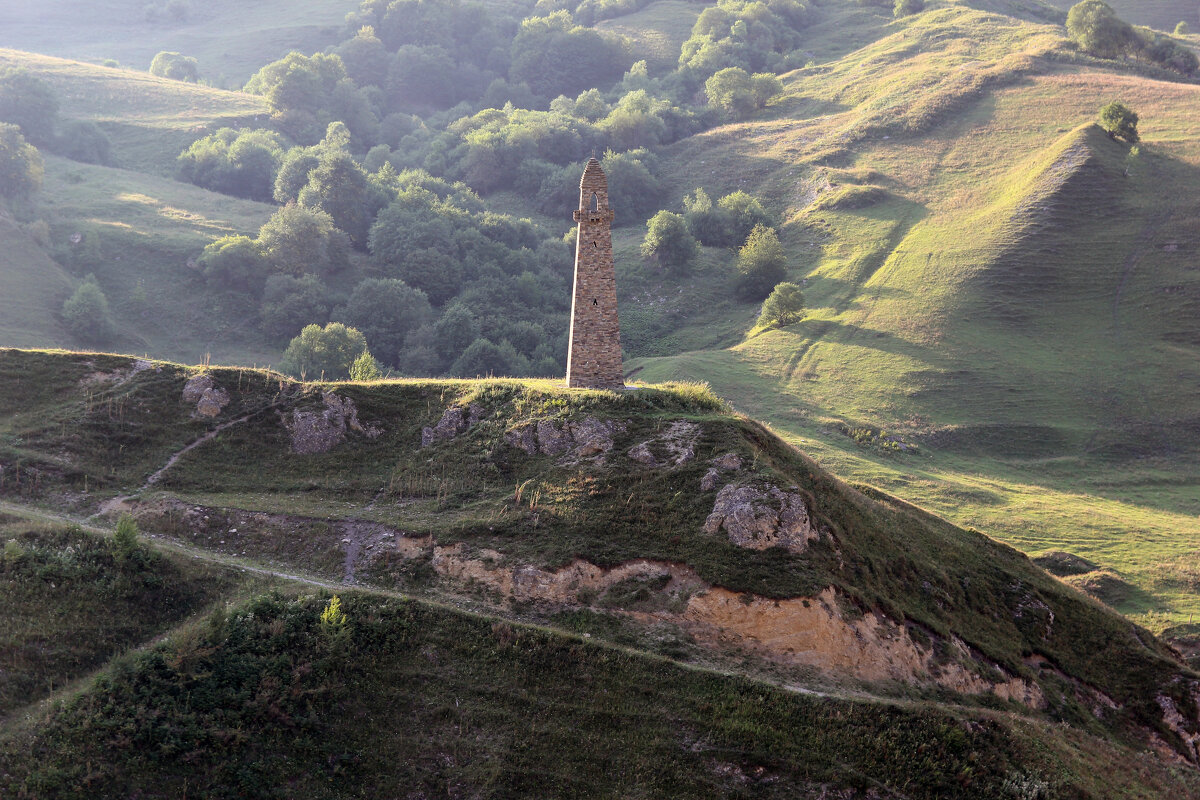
844 333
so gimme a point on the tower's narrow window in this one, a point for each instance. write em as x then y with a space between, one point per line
595 202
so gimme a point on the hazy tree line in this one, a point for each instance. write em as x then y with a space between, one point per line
382 148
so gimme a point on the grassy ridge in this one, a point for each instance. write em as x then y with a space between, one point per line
882 555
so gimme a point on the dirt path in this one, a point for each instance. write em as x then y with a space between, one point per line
306 580
115 504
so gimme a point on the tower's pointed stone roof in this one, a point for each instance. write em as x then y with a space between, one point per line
593 175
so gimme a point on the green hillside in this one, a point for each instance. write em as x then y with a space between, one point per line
587 510
1026 317
32 285
149 120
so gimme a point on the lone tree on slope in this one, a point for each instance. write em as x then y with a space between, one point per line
784 306
1120 121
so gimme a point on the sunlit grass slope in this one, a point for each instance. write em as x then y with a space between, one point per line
230 39
657 32
136 233
148 119
1017 295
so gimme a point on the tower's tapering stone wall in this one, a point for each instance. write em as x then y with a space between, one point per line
594 357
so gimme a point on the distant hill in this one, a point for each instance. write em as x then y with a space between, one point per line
149 120
231 40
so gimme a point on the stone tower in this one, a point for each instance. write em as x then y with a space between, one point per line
594 357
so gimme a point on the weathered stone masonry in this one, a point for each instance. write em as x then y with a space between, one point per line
594 356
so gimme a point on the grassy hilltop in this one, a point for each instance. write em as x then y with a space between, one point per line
587 512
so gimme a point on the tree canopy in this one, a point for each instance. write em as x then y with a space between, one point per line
782 307
323 353
1120 121
175 66
29 103
761 263
1095 27
21 168
669 242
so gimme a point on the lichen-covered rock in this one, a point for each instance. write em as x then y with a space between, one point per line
321 431
1176 722
674 446
553 440
730 461
203 392
452 423
591 437
758 519
212 402
710 480
195 388
523 438
641 453
585 438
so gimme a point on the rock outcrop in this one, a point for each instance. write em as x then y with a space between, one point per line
456 420
204 393
673 447
761 518
321 431
574 439
730 462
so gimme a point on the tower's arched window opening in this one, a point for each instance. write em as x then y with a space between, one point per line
595 202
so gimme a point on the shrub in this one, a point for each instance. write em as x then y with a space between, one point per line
83 141
241 163
125 538
299 240
1120 121
904 8
669 242
1182 29
21 167
333 617
175 66
323 353
1095 27
761 264
365 368
234 262
29 103
290 303
385 310
783 307
86 315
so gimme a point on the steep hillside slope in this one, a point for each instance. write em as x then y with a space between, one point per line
399 698
139 235
31 284
1002 300
653 515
